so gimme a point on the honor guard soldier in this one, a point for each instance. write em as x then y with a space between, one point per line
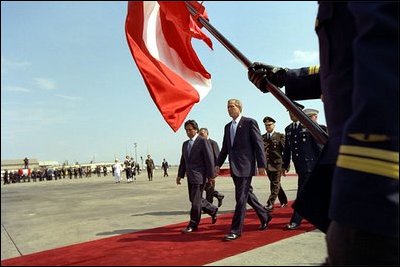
303 150
353 193
313 114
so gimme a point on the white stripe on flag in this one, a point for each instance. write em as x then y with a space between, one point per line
153 37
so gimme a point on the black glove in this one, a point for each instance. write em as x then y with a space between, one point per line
259 74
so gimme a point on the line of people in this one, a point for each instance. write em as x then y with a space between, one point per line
246 148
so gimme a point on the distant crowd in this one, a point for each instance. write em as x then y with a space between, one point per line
48 174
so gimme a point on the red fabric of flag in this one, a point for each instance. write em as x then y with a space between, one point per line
159 36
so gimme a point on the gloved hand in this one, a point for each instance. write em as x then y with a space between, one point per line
260 73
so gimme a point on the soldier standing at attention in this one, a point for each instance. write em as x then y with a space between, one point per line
274 143
359 81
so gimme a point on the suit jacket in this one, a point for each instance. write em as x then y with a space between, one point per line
247 149
215 149
199 164
274 150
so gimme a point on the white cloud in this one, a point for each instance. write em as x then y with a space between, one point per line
71 98
305 58
45 84
9 64
17 89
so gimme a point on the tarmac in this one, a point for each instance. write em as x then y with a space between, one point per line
39 216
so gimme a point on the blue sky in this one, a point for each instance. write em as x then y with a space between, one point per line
70 89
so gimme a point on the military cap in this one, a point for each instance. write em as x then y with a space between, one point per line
268 119
310 111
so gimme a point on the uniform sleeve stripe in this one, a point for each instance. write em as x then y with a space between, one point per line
313 70
373 166
370 153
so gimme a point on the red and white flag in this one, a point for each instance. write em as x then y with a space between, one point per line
159 36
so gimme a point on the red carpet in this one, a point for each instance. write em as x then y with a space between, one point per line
166 246
225 172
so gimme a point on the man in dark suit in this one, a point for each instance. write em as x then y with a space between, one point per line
210 185
243 143
304 150
165 167
274 142
197 162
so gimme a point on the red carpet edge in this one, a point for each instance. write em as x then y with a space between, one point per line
167 246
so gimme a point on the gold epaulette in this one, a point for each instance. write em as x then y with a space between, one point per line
313 70
370 160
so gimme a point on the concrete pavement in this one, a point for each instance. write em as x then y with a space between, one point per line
50 214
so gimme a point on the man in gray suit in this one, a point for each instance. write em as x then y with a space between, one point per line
197 161
210 185
244 145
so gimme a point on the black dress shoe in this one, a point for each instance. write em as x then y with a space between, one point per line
188 230
292 226
214 217
231 236
220 198
264 226
269 207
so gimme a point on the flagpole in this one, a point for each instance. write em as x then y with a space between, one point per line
319 134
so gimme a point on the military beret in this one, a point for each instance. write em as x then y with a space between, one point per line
310 111
268 119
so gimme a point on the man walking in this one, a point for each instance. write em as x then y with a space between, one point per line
150 167
243 143
302 148
197 162
165 167
210 185
274 142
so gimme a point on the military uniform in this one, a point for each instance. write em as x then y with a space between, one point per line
274 144
359 52
303 149
149 166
